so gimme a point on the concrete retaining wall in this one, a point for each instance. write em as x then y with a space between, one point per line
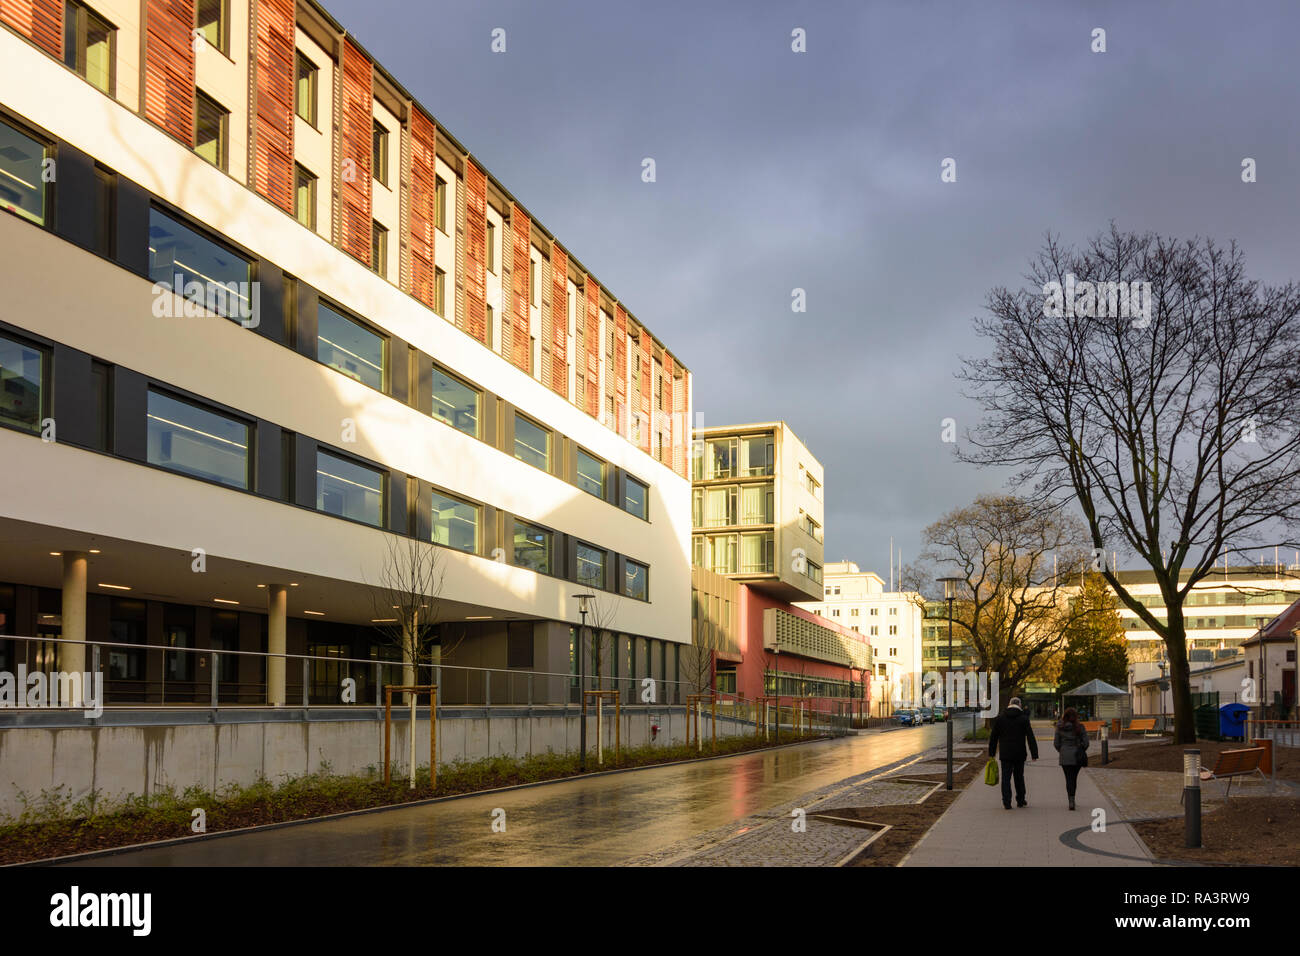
119 761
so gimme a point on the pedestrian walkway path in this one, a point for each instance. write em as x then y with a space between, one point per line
977 831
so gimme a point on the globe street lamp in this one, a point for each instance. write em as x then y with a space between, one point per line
949 595
582 682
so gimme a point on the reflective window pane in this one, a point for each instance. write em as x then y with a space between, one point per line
197 441
21 381
351 348
21 188
454 402
591 474
205 271
455 523
349 490
532 548
636 498
636 580
591 567
532 443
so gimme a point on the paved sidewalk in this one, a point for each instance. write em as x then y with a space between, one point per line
977 831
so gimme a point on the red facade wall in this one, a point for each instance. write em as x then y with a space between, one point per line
559 320
475 252
521 236
749 673
424 182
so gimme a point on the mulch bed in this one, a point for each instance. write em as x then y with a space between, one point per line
1166 755
911 822
1260 831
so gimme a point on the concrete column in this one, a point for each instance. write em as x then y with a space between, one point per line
72 657
277 605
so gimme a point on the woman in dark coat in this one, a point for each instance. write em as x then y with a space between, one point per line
1071 742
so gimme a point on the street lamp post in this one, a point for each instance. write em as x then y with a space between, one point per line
582 683
949 595
1263 684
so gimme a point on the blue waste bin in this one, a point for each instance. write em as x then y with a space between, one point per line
1232 720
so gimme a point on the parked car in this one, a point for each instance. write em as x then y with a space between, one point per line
927 715
940 715
908 718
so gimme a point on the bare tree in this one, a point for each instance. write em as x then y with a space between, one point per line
1017 562
1171 425
602 614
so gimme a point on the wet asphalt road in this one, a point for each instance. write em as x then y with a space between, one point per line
593 822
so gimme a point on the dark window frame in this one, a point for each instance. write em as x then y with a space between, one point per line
214 408
323 302
385 492
222 161
46 352
312 75
80 16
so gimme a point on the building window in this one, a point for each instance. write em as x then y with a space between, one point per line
305 89
304 197
835 612
636 581
489 322
492 248
455 523
440 292
874 612
533 274
893 630
105 211
455 402
636 498
89 45
212 20
440 203
893 612
180 257
532 547
591 567
349 490
756 504
875 630
379 249
756 553
814 572
197 441
532 443
591 474
22 385
380 153
102 380
349 347
853 613
211 122
22 185
757 450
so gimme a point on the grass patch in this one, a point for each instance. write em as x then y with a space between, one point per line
52 824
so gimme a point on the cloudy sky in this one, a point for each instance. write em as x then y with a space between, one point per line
820 170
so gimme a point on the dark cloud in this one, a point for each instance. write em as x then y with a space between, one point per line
821 171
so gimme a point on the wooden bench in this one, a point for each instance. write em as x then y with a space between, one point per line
1235 763
1145 724
1093 726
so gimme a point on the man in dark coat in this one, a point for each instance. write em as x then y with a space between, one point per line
1012 731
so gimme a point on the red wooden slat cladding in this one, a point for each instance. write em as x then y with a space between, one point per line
358 142
620 370
670 406
169 67
592 340
424 176
559 320
273 161
475 252
684 407
41 21
522 230
647 400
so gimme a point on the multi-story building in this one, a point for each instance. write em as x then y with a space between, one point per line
757 508
758 519
891 621
265 316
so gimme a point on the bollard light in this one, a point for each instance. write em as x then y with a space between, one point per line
1192 798
1105 742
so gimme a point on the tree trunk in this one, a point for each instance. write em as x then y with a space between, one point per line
1180 687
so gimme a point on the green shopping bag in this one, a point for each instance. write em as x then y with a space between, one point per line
991 773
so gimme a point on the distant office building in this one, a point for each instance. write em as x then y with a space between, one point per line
757 514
